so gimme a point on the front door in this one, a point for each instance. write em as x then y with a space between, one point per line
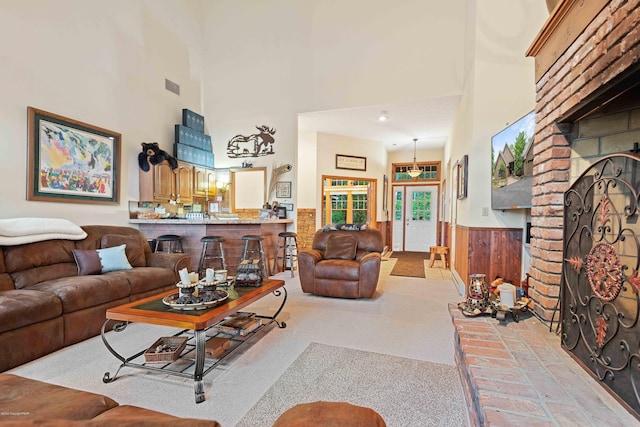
415 221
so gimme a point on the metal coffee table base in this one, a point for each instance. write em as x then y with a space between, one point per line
198 363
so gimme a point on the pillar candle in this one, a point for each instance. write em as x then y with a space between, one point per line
507 294
184 276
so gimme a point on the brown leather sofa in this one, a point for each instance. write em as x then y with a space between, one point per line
341 263
45 305
25 402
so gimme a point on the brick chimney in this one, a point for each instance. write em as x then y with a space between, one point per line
586 55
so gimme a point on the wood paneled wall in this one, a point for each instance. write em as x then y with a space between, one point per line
385 229
494 252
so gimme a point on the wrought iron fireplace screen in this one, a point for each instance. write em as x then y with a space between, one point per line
600 301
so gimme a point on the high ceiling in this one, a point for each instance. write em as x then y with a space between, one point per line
429 120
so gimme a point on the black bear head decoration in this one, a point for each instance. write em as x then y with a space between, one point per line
152 153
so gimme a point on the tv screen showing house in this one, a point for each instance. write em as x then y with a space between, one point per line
512 165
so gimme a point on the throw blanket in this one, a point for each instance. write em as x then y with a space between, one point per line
18 231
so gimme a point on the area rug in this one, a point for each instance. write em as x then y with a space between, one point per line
405 392
410 264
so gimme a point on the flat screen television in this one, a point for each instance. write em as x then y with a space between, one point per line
512 165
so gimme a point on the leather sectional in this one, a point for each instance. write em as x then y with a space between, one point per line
45 305
26 402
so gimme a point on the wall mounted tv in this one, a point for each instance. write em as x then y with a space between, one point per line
512 165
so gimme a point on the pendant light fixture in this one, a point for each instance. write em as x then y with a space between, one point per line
414 171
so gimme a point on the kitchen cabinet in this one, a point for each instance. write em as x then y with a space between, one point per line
162 184
204 182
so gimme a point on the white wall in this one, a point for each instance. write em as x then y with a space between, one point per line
103 63
268 61
329 145
248 63
307 170
499 89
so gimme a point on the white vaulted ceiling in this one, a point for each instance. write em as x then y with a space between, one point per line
429 120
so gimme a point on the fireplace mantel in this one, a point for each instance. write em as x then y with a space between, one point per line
566 22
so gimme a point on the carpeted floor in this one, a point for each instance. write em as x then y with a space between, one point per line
409 264
404 319
405 392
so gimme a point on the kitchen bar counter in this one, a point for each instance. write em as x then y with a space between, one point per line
232 230
210 221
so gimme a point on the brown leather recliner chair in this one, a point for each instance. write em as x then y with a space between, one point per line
344 264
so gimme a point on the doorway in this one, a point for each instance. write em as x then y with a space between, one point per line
415 219
348 200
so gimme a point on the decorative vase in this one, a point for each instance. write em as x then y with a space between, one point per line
477 293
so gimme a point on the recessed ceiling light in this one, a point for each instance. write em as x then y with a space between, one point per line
383 117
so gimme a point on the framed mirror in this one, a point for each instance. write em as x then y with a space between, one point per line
249 188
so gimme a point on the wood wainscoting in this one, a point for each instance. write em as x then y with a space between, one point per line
494 252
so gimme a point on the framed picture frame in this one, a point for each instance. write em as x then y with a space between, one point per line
288 206
462 169
283 189
282 212
71 161
355 163
214 207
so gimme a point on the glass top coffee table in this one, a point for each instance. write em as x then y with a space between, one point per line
195 324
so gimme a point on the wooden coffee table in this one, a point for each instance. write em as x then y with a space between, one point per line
194 323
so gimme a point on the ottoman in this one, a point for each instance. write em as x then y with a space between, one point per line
329 414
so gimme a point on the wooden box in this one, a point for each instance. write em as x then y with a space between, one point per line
216 346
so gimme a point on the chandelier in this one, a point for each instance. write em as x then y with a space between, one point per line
414 171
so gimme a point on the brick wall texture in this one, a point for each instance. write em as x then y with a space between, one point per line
608 46
306 227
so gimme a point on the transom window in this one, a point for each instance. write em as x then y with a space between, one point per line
430 172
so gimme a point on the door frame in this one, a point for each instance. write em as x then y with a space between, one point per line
373 191
404 190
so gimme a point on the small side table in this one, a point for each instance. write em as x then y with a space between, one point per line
439 250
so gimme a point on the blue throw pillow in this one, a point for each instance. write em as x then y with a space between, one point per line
113 259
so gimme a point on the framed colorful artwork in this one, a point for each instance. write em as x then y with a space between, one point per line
71 161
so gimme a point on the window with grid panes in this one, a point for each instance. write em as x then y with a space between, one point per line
430 172
360 205
338 208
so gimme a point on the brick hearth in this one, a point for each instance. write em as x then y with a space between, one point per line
517 374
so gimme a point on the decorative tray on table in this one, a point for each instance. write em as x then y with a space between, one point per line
191 302
230 280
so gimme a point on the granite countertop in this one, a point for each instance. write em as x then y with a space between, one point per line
210 221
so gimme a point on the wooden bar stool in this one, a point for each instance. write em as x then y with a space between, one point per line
439 250
217 252
253 245
168 243
288 245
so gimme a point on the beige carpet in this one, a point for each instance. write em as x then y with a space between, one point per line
405 392
405 319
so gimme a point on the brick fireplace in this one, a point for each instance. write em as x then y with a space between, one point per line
587 106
